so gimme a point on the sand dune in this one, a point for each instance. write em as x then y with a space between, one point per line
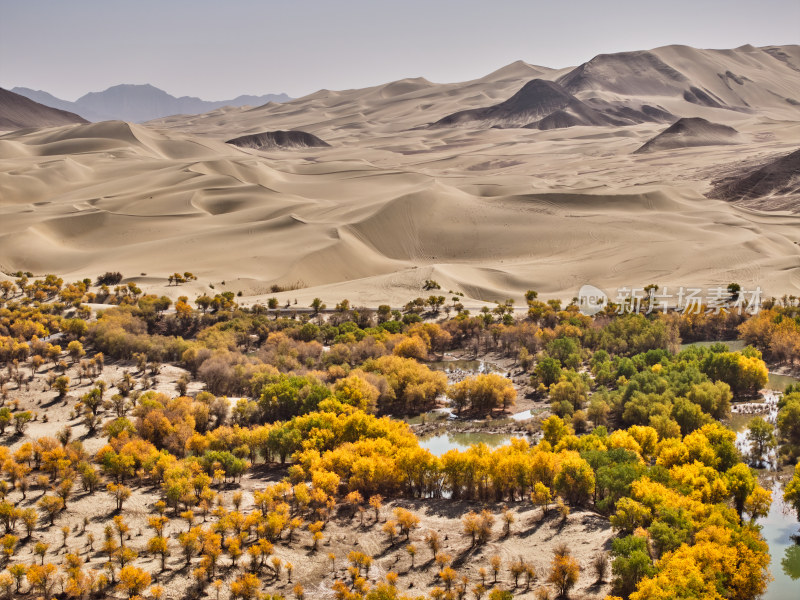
542 104
392 202
639 86
17 112
537 99
774 185
689 132
278 139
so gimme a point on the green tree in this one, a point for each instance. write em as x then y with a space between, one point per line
317 305
789 418
575 480
547 371
741 484
21 420
61 385
632 563
791 492
76 351
554 428
762 440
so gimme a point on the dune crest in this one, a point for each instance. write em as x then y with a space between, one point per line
530 181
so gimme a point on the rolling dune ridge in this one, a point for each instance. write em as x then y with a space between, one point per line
490 211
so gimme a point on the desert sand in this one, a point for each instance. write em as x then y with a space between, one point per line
484 207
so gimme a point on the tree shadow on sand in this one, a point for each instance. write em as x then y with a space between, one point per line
470 552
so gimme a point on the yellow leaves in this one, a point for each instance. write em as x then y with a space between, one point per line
435 338
646 437
623 439
699 449
407 520
544 466
754 371
482 393
470 525
133 580
741 483
704 482
564 572
671 452
42 578
412 347
575 480
655 495
448 575
716 559
744 373
758 502
417 465
554 428
356 391
719 490
630 515
158 545
708 445
792 490
245 586
682 580
413 385
326 481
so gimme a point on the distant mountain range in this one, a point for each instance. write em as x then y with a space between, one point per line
19 112
139 103
661 85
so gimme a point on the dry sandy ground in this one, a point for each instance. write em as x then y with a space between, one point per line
586 533
532 537
489 212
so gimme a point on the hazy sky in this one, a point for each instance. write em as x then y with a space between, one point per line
218 50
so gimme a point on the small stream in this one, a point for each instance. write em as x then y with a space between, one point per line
780 530
780 527
741 415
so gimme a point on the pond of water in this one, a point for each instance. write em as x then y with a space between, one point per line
779 382
434 416
441 443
